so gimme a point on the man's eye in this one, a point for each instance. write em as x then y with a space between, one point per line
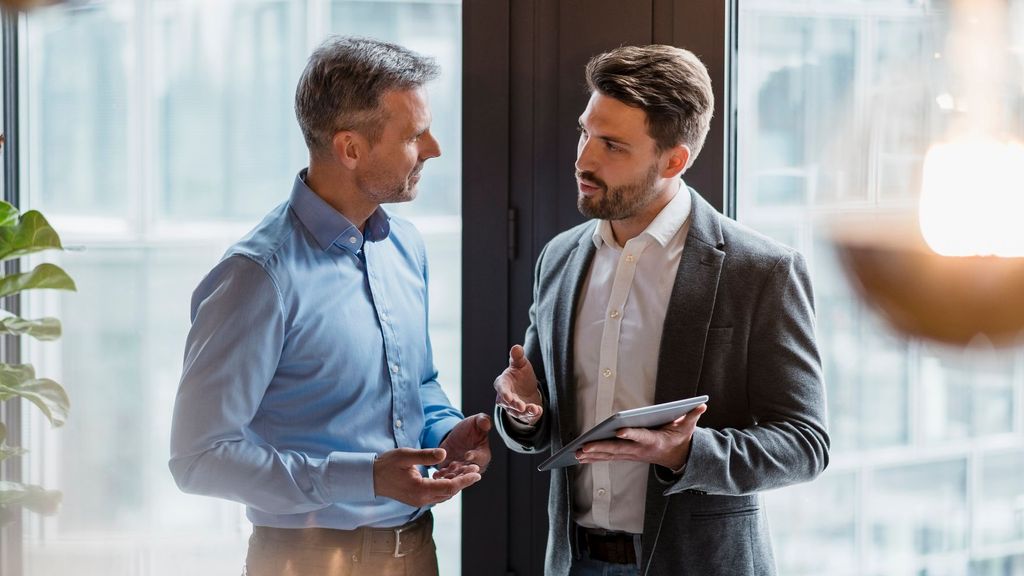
612 147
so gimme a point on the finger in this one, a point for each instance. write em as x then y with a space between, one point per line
610 446
638 435
610 457
530 414
443 489
508 399
412 457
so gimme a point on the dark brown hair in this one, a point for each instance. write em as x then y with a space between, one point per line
671 85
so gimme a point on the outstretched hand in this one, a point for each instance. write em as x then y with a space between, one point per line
516 387
668 446
396 475
468 448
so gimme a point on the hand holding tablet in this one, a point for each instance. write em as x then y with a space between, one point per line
646 417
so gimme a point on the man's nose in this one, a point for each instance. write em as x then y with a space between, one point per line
431 148
584 157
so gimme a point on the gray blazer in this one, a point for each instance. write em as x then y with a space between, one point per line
739 328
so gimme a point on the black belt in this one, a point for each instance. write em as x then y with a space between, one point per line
396 542
610 547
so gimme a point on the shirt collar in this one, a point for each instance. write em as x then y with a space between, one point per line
662 229
330 227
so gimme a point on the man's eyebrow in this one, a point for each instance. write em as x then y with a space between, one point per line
607 138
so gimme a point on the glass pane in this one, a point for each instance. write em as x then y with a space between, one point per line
224 79
834 118
77 137
913 511
966 394
819 543
999 516
161 132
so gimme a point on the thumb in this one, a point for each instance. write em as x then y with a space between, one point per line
482 423
412 457
517 357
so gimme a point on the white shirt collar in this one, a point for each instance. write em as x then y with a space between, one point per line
662 229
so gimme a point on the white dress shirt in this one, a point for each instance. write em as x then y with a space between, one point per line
619 321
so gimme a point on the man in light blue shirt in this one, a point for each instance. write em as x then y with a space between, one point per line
309 391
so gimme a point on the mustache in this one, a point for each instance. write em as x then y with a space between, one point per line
592 178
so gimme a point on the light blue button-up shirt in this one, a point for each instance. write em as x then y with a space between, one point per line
308 356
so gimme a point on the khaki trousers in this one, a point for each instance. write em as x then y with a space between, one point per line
404 551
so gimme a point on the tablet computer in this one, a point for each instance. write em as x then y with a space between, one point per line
646 417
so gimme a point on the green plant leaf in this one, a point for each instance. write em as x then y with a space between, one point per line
45 275
35 498
40 329
47 395
8 214
31 233
5 450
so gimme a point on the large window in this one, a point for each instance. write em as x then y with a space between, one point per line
157 132
927 443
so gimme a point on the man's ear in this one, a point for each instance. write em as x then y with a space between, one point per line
349 147
677 159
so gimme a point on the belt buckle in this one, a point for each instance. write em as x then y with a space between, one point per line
398 541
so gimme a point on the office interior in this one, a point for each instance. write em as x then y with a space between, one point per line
154 133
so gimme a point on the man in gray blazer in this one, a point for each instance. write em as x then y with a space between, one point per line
657 298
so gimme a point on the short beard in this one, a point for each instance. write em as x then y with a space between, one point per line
620 202
385 192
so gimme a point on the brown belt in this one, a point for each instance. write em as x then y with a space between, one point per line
610 547
395 542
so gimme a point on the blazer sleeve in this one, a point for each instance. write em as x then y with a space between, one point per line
538 437
789 441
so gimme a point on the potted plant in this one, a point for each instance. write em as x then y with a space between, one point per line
20 235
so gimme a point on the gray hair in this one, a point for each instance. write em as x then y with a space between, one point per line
344 80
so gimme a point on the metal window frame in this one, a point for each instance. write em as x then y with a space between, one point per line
11 468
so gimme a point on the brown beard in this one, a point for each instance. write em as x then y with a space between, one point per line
621 202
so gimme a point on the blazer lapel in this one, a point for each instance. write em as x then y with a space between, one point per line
690 306
564 325
682 341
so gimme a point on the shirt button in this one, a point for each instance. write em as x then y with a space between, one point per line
398 423
352 240
607 372
394 368
614 314
601 492
630 258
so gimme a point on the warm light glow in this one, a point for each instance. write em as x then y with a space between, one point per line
972 198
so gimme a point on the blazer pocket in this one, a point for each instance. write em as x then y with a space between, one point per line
723 542
728 513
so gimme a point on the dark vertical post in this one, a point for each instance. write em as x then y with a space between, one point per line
10 469
485 257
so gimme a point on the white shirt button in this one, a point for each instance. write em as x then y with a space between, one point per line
394 368
614 314
630 258
607 372
398 423
601 491
352 240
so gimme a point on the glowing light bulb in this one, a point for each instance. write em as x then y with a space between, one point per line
972 198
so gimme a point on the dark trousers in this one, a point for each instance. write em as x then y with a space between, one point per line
404 551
